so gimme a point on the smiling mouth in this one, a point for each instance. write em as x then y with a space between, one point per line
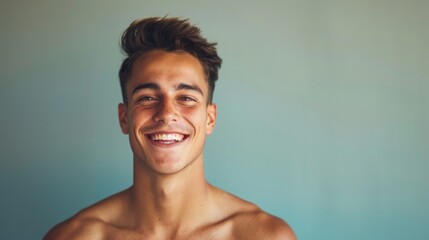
167 138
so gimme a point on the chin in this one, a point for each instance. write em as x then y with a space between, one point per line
166 166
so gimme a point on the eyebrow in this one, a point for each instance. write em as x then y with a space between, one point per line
184 86
154 86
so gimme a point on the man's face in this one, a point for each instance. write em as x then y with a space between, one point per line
167 116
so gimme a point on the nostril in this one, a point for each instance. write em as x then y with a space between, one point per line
165 117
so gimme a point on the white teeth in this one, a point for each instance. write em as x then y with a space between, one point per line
167 137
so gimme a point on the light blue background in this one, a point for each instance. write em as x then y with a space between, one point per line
323 111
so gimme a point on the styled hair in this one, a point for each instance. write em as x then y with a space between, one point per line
172 35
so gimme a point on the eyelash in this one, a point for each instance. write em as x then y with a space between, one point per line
150 98
147 98
186 98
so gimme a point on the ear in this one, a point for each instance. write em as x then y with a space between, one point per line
211 118
122 115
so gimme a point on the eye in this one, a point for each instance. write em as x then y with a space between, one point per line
186 98
147 99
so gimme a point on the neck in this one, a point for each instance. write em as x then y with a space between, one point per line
169 203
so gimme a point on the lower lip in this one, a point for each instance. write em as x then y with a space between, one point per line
166 145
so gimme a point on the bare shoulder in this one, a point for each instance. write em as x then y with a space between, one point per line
90 223
261 225
251 223
76 228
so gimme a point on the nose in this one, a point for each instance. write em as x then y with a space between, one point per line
165 112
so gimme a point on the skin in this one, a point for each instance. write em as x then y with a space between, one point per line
170 198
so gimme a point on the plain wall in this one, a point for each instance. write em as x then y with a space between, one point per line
323 111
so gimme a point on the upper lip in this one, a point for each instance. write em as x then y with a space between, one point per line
166 132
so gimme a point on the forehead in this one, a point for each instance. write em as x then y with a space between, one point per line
168 68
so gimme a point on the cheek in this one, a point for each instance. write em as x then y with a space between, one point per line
196 117
138 117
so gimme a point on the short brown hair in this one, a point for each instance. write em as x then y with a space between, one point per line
168 34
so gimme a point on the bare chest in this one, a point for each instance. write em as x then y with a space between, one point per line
211 233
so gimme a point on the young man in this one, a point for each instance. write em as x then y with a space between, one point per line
167 83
